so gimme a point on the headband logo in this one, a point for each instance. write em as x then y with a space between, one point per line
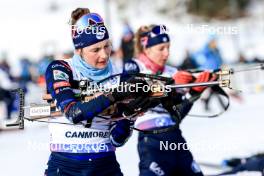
164 39
100 35
91 22
163 29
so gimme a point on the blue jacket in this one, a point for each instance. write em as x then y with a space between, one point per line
207 58
61 85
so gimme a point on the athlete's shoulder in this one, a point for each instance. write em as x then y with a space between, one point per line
59 64
58 70
170 70
131 66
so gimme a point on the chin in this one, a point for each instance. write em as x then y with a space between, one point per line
101 66
162 63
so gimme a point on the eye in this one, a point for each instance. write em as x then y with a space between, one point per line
107 46
96 50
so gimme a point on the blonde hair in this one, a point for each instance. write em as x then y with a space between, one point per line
138 47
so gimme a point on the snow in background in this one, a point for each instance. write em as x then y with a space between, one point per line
30 28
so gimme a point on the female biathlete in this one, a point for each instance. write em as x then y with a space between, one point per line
152 45
86 148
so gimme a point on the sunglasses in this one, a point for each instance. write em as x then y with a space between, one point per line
156 30
88 21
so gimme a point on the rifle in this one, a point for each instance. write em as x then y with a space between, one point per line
40 112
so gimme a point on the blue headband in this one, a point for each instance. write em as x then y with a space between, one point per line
161 38
157 35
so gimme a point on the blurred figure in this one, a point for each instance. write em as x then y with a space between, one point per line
67 54
4 64
25 74
8 99
253 163
127 43
188 62
257 60
42 66
209 58
5 95
242 59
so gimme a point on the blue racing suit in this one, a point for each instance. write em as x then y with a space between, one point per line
75 149
155 161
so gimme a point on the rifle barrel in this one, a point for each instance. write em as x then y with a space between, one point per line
212 83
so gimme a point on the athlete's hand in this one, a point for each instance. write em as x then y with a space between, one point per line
120 132
205 76
183 77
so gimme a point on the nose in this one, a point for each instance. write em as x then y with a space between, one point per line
166 52
104 54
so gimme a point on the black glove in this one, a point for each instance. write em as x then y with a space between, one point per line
140 104
120 132
177 107
133 88
234 162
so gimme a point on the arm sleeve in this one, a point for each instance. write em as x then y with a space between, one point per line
59 82
184 108
176 106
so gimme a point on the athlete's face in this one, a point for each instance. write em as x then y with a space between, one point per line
213 44
159 53
96 55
